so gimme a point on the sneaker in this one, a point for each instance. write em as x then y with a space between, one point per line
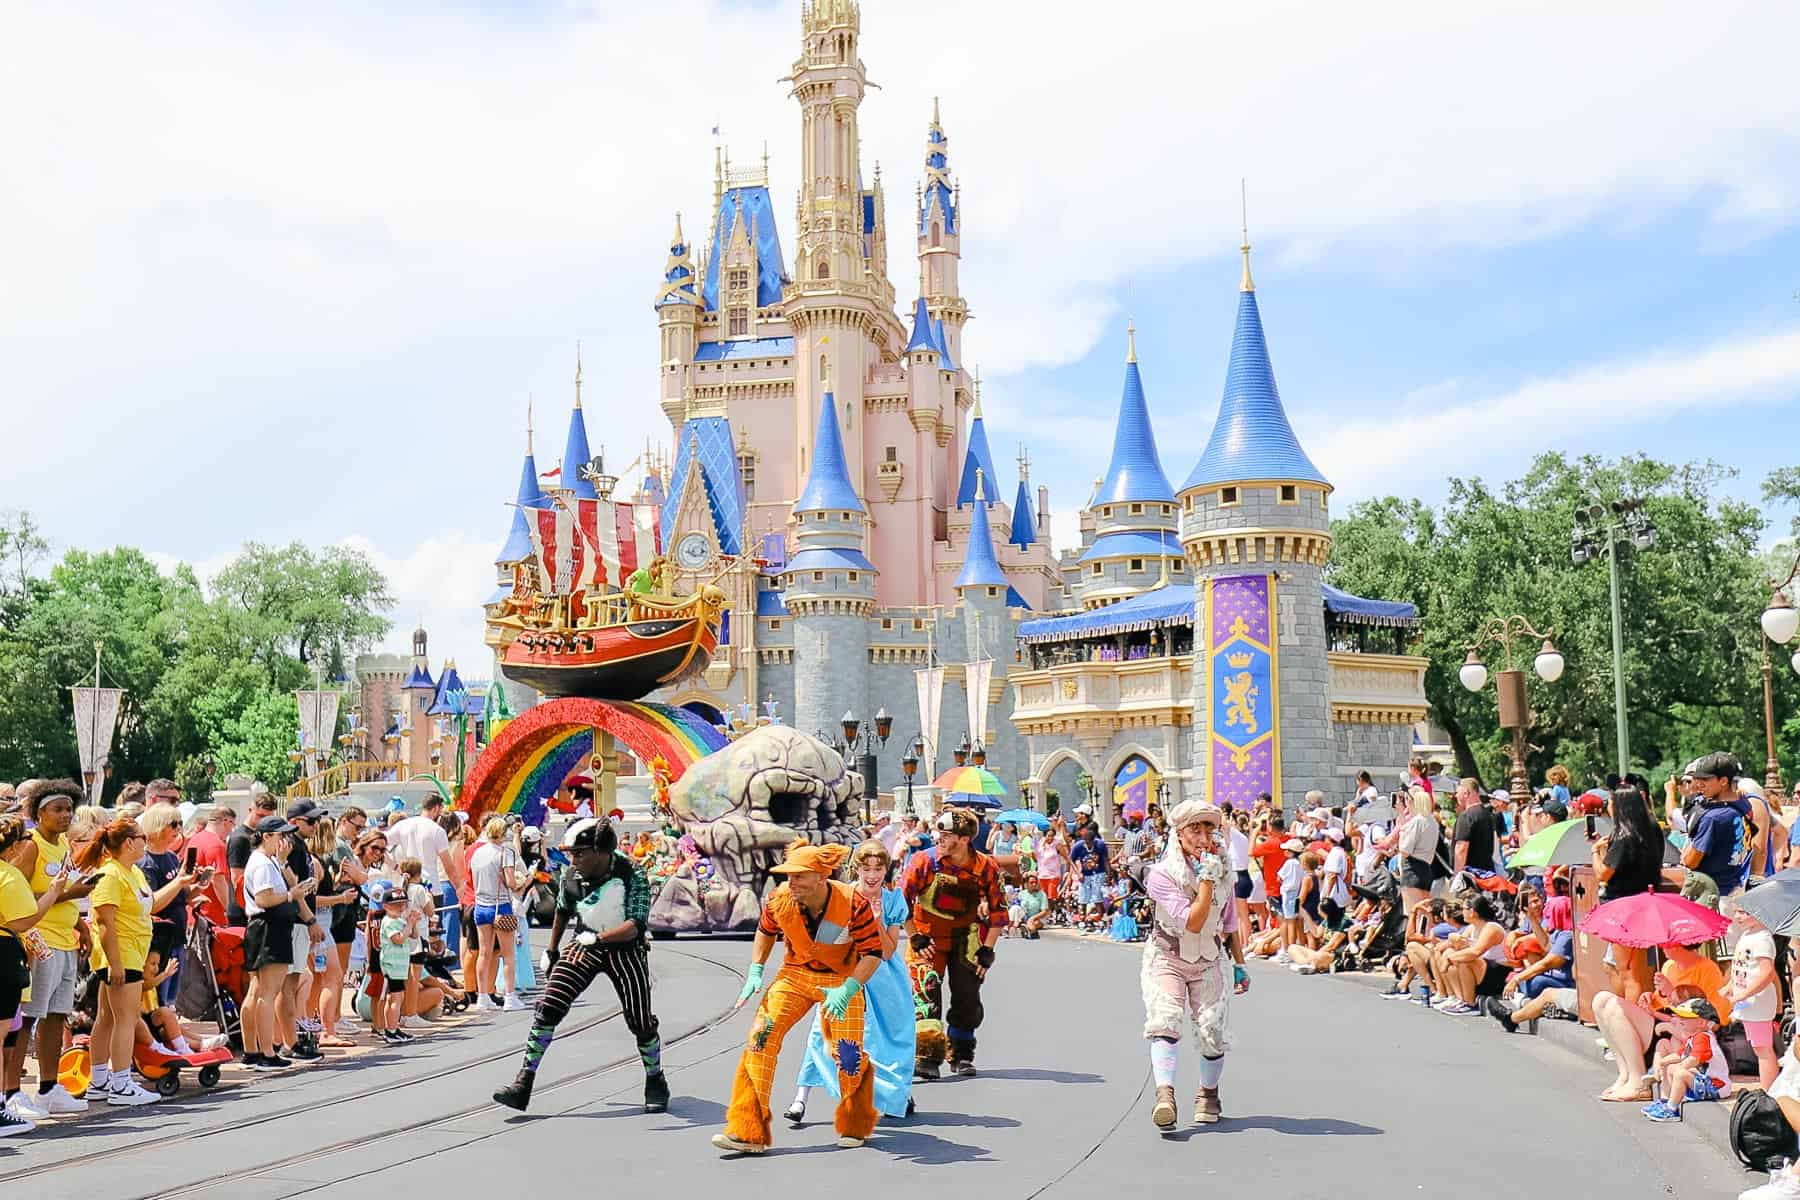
394 1035
964 1068
513 1004
273 1062
217 1041
846 1142
726 1142
1660 1112
484 1004
310 1025
26 1108
414 1022
130 1095
1281 956
59 1103
1459 1009
1781 1186
1396 995
1303 969
305 1051
11 1125
1497 1010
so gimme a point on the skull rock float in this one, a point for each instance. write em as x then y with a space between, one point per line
742 806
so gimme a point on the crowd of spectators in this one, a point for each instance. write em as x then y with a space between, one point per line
344 919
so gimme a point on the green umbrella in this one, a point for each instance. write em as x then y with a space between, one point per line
1564 844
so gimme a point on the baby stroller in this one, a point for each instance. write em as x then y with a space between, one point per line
212 977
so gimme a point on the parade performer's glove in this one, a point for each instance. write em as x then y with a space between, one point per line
984 957
920 942
550 959
752 983
837 999
1240 978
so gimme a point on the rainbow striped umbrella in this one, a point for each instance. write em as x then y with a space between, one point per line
972 787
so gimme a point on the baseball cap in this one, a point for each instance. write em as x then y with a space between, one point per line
274 825
304 810
1293 844
393 896
1697 1009
1717 765
1336 835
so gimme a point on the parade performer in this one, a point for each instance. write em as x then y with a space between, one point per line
887 1003
947 887
609 899
833 950
1185 957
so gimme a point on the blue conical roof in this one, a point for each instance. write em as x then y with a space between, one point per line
828 483
1024 525
1252 438
1136 472
531 495
575 452
976 458
420 678
980 568
451 698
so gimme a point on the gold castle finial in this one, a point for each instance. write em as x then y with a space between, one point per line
679 240
1130 340
935 118
1246 284
528 399
578 373
976 415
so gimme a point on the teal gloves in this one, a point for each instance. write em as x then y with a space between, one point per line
752 984
837 999
1240 978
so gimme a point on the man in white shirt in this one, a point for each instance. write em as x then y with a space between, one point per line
422 838
1335 903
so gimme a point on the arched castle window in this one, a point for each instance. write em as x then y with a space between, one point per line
937 234
822 372
824 269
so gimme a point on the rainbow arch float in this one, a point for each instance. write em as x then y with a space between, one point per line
541 747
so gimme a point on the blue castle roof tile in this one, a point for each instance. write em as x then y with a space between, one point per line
771 269
770 347
1136 470
518 539
980 568
706 446
828 484
828 558
1024 525
977 457
1251 440
1134 543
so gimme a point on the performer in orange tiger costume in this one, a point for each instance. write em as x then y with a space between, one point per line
833 947
958 912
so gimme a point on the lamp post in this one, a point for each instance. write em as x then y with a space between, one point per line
1780 621
1509 684
961 753
909 767
861 742
1606 530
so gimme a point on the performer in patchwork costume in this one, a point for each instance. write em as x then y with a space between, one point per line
1185 958
608 897
959 912
833 949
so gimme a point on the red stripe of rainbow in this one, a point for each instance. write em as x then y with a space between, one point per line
540 748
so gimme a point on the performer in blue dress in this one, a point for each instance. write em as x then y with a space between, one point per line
888 1022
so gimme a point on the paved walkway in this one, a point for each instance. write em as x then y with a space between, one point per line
1332 1092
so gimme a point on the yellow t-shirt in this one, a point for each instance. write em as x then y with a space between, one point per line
16 901
128 892
58 925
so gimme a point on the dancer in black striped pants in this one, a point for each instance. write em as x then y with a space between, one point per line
609 898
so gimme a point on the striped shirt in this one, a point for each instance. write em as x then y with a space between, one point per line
864 929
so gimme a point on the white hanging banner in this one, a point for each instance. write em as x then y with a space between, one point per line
978 674
318 720
96 715
930 681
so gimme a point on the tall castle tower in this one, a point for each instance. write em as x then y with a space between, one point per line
1253 509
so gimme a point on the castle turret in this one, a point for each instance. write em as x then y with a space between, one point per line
978 461
1254 524
1135 546
575 450
980 569
518 546
940 238
830 586
678 315
1024 524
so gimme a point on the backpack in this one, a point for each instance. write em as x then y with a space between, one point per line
1759 1132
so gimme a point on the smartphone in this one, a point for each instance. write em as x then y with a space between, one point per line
1590 827
187 865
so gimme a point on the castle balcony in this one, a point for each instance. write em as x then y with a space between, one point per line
722 667
1105 694
1377 689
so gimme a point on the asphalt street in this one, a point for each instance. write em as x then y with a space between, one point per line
1330 1092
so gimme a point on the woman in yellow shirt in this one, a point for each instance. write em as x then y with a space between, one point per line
19 912
121 904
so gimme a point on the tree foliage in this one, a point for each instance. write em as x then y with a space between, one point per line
1692 644
208 680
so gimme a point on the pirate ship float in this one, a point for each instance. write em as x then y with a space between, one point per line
585 605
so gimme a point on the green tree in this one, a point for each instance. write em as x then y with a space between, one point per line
1689 609
312 608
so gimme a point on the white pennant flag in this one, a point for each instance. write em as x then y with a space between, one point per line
978 674
930 681
96 715
318 719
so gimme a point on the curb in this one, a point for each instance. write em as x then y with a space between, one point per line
1711 1121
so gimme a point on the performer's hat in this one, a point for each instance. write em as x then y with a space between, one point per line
589 833
805 858
958 821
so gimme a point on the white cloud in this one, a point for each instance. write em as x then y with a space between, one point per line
1359 457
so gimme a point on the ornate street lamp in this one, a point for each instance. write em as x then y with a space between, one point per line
978 755
909 766
1515 708
961 753
1780 621
851 725
884 723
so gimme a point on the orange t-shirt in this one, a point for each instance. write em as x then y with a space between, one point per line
1270 856
1704 974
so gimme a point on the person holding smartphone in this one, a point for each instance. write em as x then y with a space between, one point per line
170 883
121 904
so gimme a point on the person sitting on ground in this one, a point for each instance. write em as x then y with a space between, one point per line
1545 983
1029 910
1474 967
1631 1025
1412 964
1693 1068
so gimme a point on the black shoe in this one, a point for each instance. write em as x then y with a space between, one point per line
911 1108
926 1072
395 1036
273 1062
304 1051
962 1067
252 1060
1497 1010
656 1093
517 1094
795 1114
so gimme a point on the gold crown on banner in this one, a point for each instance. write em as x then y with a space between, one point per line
1237 661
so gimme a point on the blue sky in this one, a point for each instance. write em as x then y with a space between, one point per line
278 278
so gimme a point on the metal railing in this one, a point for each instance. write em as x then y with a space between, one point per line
336 780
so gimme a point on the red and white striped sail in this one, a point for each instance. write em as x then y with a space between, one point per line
582 545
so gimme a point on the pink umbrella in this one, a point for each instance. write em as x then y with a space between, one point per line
1654 919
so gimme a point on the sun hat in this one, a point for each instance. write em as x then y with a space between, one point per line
805 858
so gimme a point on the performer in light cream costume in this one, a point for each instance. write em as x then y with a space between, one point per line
1192 942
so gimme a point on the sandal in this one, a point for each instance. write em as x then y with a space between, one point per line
1639 1097
334 1042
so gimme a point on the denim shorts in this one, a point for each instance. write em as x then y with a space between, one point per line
1290 906
485 913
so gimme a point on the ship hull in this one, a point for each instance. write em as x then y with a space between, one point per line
615 662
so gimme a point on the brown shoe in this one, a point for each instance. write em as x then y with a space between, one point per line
1163 1114
1206 1107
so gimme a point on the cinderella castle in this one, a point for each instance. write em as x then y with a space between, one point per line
832 473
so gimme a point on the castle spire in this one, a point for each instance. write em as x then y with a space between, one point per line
1024 524
828 484
1136 471
1246 284
980 568
575 449
977 460
531 495
1130 340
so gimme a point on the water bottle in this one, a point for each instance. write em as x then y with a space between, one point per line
318 965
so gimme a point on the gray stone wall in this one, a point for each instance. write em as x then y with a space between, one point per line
831 670
1307 758
1381 750
1259 507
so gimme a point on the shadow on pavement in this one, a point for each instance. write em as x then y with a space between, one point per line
951 1120
1292 1126
1037 1075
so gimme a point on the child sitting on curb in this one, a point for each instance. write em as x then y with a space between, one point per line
1693 1067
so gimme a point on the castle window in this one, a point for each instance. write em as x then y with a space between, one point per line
821 368
853 577
1228 495
1178 566
992 592
887 623
1137 566
775 624
1136 509
747 472
918 623
893 454
738 279
824 270
740 323
1096 568
818 577
1289 493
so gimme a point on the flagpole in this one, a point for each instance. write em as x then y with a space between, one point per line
96 790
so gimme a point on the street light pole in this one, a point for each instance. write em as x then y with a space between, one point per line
1509 686
1606 529
1618 649
1779 623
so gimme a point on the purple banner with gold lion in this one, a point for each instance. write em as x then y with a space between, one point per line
1244 752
